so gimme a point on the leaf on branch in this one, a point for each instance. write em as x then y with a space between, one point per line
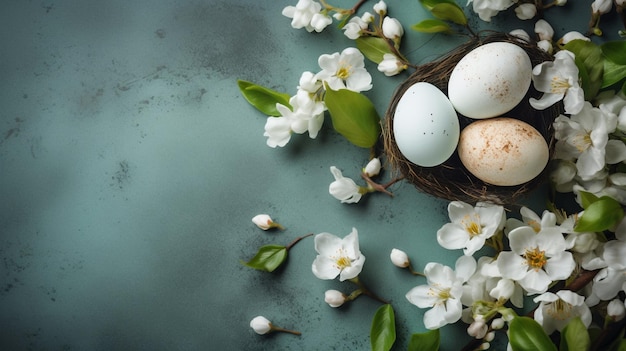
430 4
264 99
428 341
575 336
268 258
373 48
600 215
525 334
432 26
449 12
383 332
354 116
590 65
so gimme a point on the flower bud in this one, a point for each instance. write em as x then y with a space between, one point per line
320 21
525 11
477 329
497 323
265 222
392 28
399 258
390 65
573 35
490 336
616 310
560 2
380 8
544 30
520 33
601 6
373 167
334 298
261 325
546 46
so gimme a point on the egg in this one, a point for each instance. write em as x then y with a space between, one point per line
490 80
503 151
425 125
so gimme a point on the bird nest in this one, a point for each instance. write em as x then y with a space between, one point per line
451 180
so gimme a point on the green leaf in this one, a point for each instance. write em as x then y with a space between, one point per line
600 215
373 48
383 332
575 336
354 116
612 73
449 12
264 99
268 258
428 341
432 26
615 51
587 198
525 334
590 64
430 4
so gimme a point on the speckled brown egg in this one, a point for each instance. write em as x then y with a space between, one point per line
503 151
490 80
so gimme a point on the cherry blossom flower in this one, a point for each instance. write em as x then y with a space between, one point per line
391 65
610 280
355 27
442 292
556 310
278 129
344 189
470 226
601 6
536 259
531 219
573 35
337 257
345 71
558 80
489 8
307 14
584 137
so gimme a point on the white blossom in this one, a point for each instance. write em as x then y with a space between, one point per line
470 226
601 6
392 28
380 8
334 298
261 325
337 256
489 8
442 292
399 258
544 30
616 309
345 70
556 310
344 189
558 80
303 13
373 167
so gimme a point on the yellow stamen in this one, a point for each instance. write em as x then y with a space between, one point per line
535 225
343 72
472 225
343 262
535 258
560 309
581 141
559 85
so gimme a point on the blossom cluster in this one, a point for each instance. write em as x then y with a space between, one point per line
345 70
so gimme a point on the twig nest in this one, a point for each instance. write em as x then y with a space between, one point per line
451 180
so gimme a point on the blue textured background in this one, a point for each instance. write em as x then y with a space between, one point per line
130 167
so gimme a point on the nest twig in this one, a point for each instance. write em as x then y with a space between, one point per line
451 180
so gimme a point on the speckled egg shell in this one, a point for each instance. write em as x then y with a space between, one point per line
425 125
490 80
503 151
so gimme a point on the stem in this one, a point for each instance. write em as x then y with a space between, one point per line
380 187
366 291
283 330
414 272
296 241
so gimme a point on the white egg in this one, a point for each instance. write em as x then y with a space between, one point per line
503 151
425 125
490 80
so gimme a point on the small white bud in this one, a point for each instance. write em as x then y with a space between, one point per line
497 323
573 35
392 28
616 310
484 346
490 336
265 222
544 30
560 2
546 46
520 33
525 11
380 8
367 17
373 167
477 329
261 325
334 298
399 258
